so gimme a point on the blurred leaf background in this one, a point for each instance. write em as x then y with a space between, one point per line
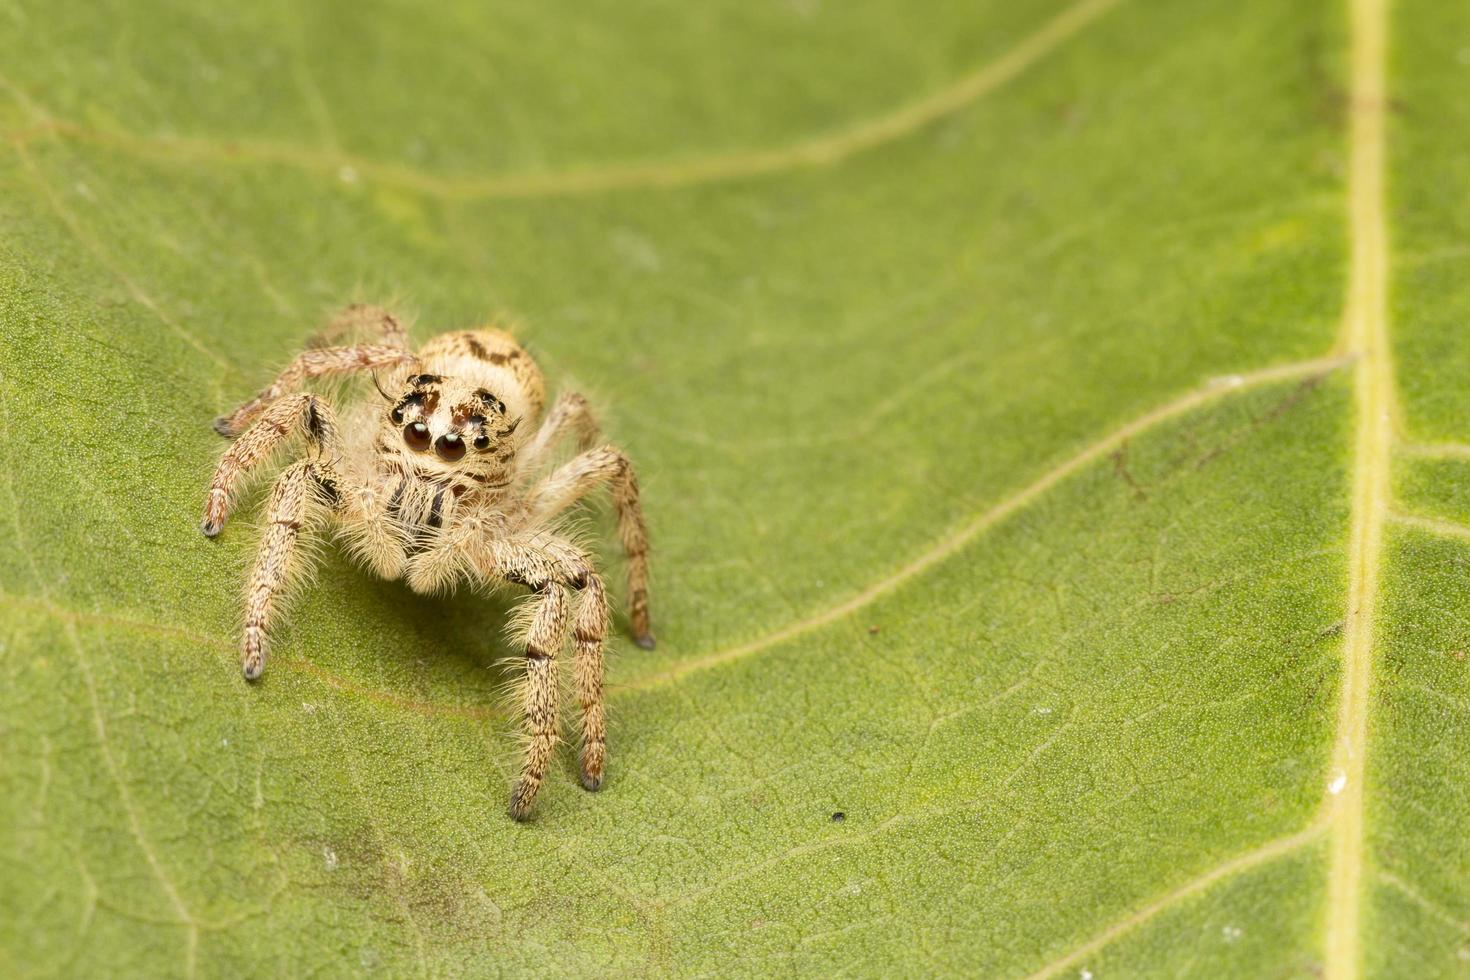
998 634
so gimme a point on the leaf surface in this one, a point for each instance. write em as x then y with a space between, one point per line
1048 415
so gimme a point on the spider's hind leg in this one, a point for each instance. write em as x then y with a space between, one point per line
569 415
361 320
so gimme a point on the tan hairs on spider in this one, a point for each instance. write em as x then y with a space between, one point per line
449 482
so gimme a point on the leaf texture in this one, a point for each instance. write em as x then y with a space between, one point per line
1049 416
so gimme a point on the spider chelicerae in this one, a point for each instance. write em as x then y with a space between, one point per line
448 482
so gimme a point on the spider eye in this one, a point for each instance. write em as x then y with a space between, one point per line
415 399
416 434
482 441
490 400
449 446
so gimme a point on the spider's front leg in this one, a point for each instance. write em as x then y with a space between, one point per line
538 699
579 477
308 414
301 494
589 632
318 363
555 570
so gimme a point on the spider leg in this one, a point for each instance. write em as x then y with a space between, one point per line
300 493
309 414
579 477
322 362
569 415
539 694
554 569
361 319
589 630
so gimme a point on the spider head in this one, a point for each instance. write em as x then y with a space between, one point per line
452 422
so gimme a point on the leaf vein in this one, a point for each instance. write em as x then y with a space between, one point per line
961 536
1278 848
824 150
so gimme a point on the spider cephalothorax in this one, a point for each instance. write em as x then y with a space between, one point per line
445 480
452 439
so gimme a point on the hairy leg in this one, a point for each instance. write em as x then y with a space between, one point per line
569 415
299 495
358 320
588 631
579 477
323 362
538 697
308 414
554 567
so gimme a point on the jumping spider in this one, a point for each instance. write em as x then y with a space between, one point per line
446 483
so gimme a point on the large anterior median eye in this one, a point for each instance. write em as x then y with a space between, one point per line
416 434
449 446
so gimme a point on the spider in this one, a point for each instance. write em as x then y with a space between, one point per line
445 483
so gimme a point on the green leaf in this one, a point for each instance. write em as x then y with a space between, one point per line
1051 422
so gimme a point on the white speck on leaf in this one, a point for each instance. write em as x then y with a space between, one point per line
329 857
1339 782
308 707
1231 933
347 174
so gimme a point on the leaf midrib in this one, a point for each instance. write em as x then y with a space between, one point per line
1365 329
